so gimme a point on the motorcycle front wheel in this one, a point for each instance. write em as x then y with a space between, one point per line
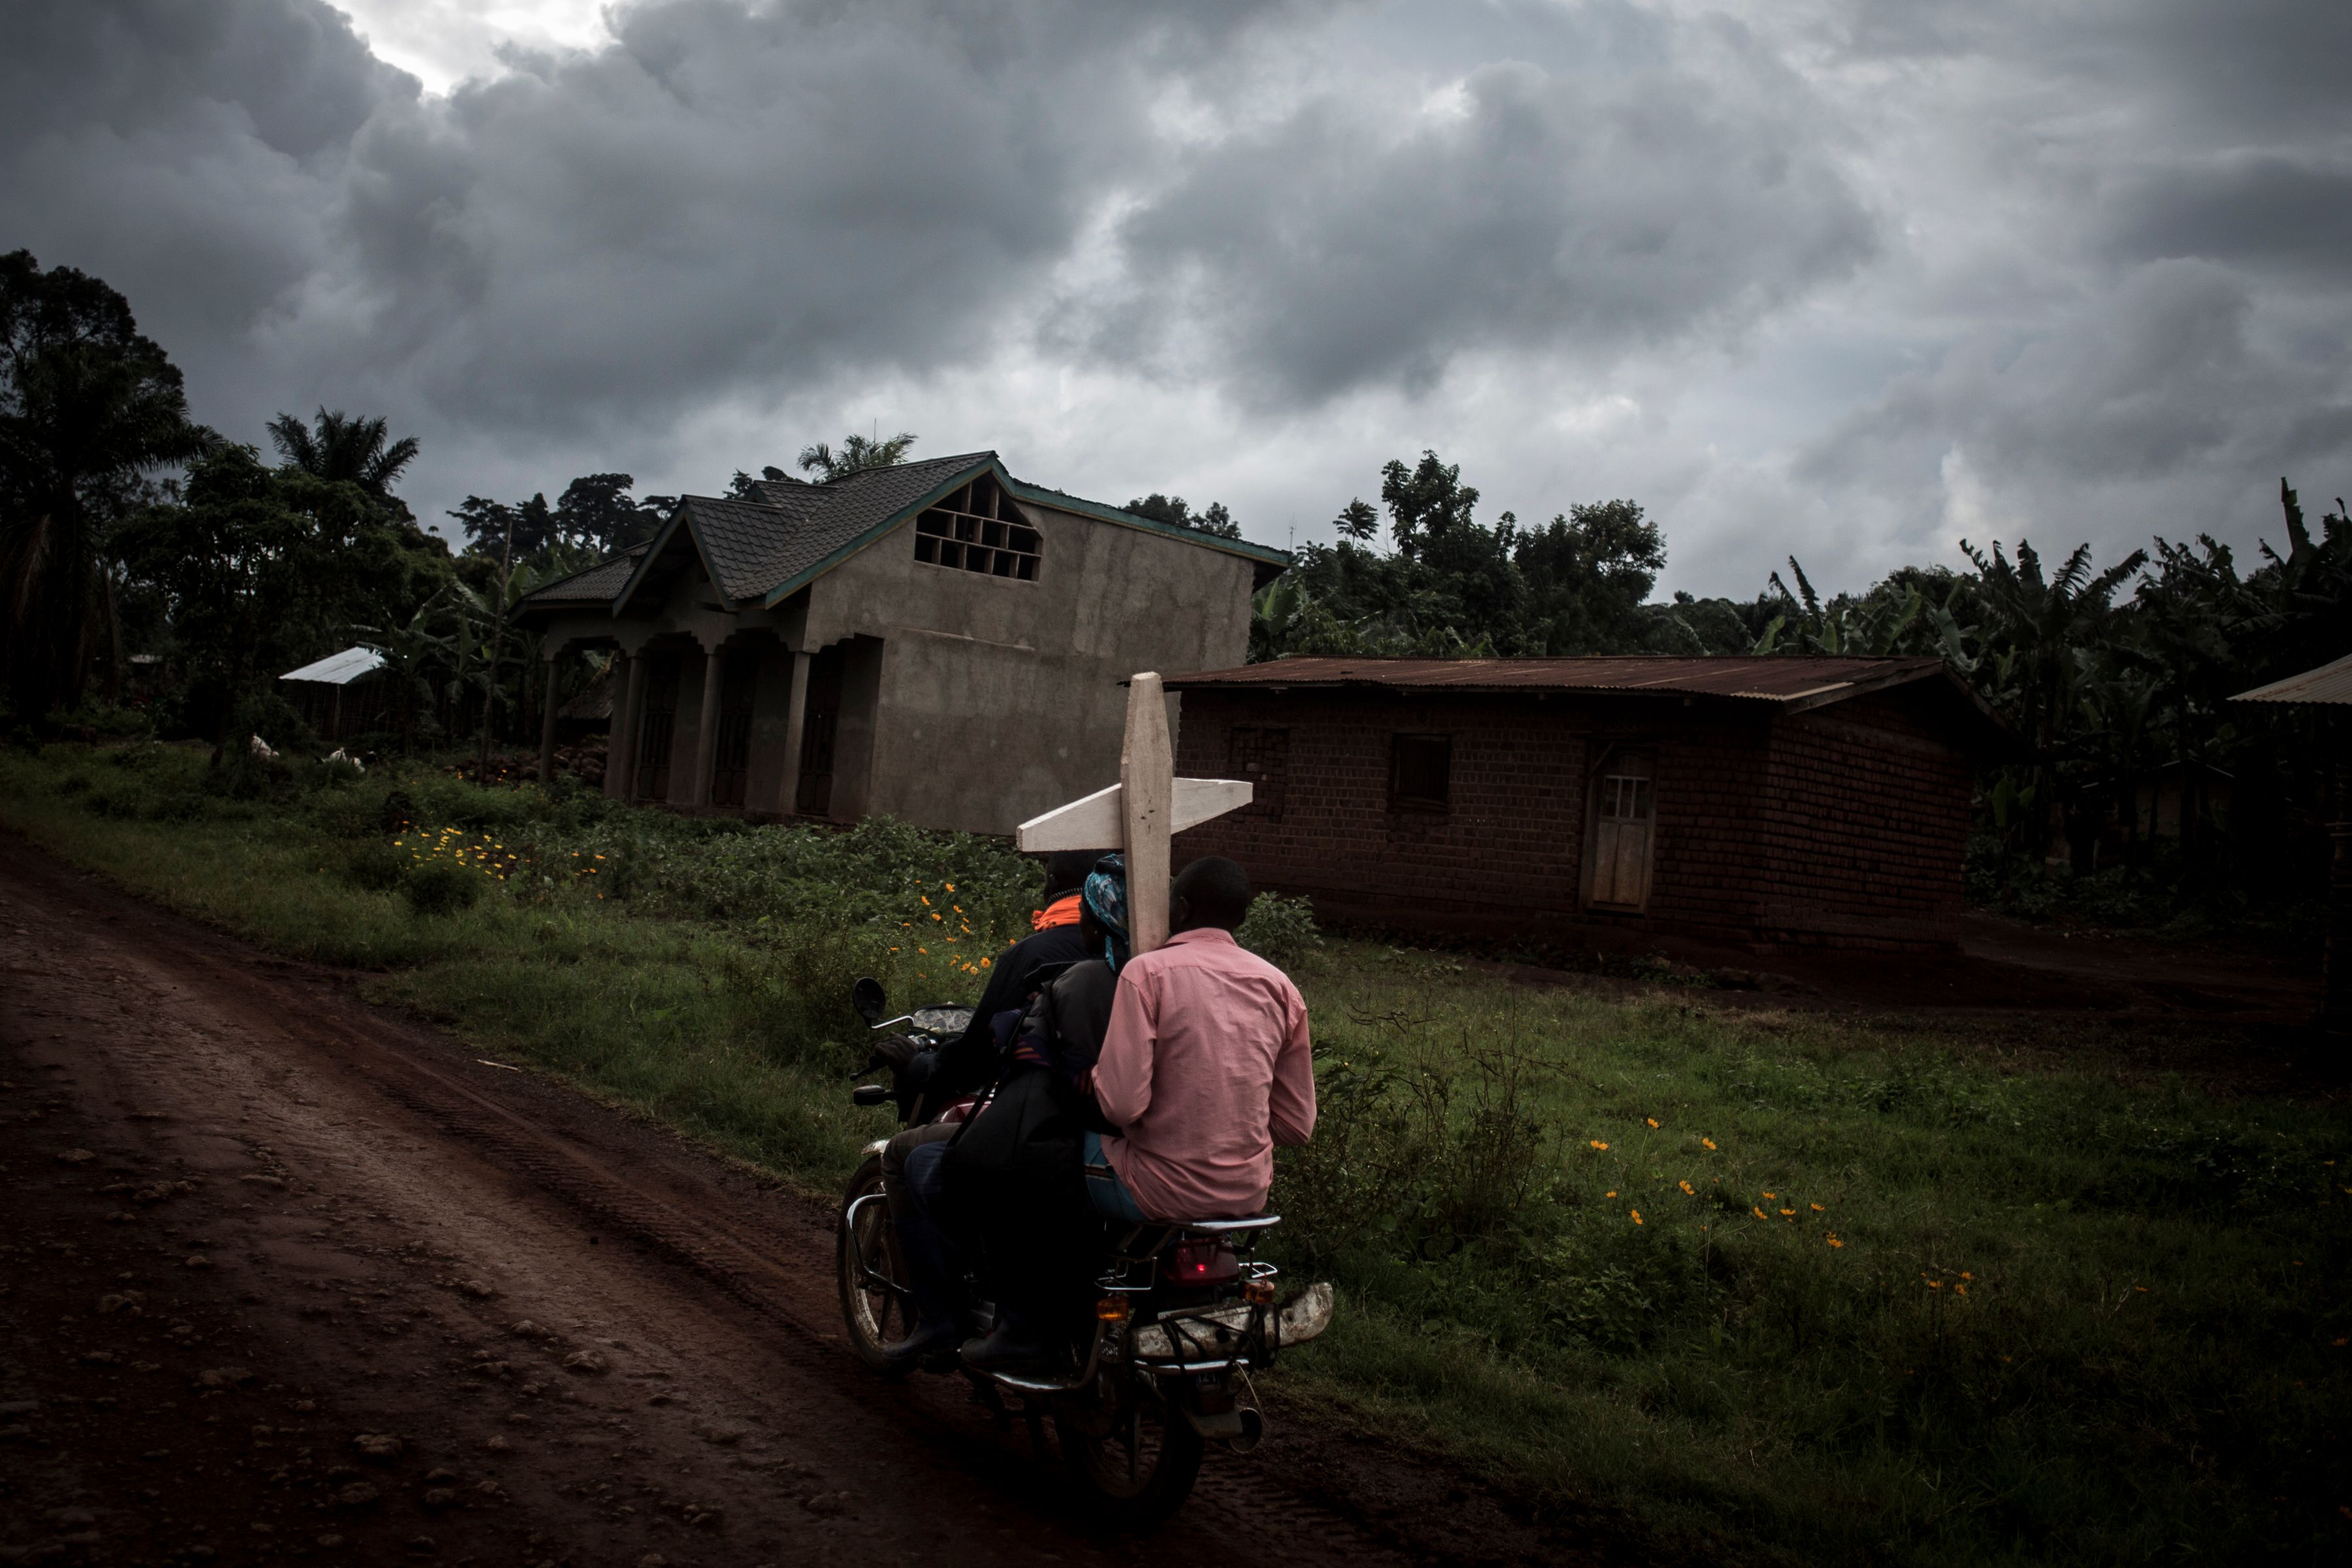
877 1307
1142 1466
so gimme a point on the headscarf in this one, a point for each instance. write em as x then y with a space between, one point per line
1105 898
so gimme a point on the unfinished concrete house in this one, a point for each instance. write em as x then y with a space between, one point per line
935 641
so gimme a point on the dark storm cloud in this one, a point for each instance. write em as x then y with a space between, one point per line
1661 186
2164 377
2264 209
725 197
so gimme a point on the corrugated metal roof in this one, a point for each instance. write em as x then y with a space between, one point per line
1769 678
2330 683
338 668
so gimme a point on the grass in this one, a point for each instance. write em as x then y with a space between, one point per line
1891 1295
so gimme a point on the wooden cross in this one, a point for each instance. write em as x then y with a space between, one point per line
1148 807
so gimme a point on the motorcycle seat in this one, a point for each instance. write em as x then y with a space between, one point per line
1228 1226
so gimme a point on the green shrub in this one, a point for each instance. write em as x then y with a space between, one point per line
1280 930
439 887
376 867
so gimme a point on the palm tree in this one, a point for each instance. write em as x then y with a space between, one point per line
344 447
858 454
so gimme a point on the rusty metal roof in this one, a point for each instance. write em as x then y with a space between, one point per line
1798 681
2330 683
1788 685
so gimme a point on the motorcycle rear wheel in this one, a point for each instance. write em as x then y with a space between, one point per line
1141 1469
876 1315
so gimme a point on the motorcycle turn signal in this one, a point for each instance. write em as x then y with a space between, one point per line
1258 1292
1112 1310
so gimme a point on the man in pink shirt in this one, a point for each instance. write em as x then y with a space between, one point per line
1204 1067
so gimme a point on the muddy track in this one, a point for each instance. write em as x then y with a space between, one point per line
589 1343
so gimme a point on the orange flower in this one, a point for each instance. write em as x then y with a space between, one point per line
1597 1143
1788 1211
1609 1193
1817 1208
1833 1241
948 886
1935 1284
1637 1217
1959 1289
1688 1188
1770 1195
1650 1120
1708 1142
1759 1213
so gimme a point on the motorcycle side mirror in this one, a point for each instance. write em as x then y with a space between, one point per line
868 998
868 1094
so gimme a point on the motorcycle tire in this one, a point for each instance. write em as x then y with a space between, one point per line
1133 1479
876 1317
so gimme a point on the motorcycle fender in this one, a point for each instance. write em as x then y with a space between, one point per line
876 1147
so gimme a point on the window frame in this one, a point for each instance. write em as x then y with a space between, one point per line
1400 740
952 533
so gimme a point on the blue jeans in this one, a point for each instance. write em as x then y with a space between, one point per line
931 1260
1104 1189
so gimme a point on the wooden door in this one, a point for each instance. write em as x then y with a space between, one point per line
731 759
820 725
1624 819
657 726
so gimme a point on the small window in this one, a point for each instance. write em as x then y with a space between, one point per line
1261 757
1421 770
978 530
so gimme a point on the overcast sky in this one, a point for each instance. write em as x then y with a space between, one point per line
1851 278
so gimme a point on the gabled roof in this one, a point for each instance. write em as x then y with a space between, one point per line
1788 685
2330 684
767 548
338 668
595 585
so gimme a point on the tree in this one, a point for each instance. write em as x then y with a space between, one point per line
858 454
1177 512
88 409
597 513
1357 520
356 451
261 569
1588 574
1426 503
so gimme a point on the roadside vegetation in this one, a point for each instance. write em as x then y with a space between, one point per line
1768 1286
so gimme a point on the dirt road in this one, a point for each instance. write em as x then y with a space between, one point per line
284 1277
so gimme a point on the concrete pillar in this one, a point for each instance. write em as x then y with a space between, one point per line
546 726
788 786
706 732
621 749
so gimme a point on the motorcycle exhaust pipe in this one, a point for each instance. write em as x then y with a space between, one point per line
1253 1432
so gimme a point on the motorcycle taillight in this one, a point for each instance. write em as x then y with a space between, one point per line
1202 1263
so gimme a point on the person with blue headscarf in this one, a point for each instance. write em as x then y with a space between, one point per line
998 1197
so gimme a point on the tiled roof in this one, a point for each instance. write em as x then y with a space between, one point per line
597 583
787 533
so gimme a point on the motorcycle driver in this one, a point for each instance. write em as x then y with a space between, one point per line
969 1062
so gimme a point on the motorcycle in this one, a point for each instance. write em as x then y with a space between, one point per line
1183 1313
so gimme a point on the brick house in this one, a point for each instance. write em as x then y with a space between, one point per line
1772 802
